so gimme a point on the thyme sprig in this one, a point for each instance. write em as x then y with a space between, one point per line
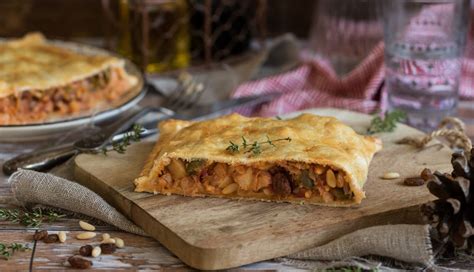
388 123
10 215
129 137
255 148
33 218
233 148
7 250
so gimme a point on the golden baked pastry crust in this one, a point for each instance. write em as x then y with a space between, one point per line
316 141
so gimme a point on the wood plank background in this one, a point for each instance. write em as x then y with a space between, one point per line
83 18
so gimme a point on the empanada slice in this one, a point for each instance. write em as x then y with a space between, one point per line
312 159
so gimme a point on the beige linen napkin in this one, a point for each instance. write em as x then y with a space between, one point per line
409 243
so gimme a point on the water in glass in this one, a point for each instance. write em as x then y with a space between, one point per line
424 41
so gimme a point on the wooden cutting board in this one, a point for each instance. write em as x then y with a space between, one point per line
210 233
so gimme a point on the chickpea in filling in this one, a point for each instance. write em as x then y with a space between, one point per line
285 180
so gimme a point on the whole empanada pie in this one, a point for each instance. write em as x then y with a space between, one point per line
309 158
40 81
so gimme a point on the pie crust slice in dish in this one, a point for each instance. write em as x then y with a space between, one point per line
309 158
40 81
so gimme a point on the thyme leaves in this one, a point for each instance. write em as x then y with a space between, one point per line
255 148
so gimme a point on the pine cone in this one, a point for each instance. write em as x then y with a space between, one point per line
452 214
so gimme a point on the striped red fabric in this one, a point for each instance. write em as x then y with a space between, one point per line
315 84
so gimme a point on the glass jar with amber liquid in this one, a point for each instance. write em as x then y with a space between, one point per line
154 33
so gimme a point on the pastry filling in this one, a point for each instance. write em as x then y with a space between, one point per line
37 105
285 180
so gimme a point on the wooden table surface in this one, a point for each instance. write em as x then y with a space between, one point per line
139 253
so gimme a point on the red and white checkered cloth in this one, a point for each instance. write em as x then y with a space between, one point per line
315 84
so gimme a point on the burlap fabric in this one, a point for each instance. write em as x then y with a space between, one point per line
409 243
40 188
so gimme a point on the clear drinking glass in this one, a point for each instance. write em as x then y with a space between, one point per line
424 44
345 31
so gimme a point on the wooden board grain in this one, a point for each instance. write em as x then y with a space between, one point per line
211 233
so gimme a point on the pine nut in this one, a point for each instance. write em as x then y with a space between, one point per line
230 188
62 236
108 241
85 235
86 226
331 178
119 242
105 236
391 175
340 180
307 194
319 169
96 251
